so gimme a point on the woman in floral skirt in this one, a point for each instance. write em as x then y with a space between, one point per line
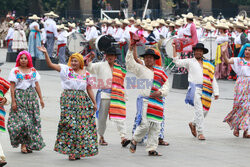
239 118
77 134
24 122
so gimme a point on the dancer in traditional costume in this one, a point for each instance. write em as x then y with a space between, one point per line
9 37
138 116
4 100
35 39
51 32
61 43
151 99
76 135
222 70
239 118
110 96
19 38
202 85
24 122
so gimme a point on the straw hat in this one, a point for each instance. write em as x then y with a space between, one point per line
178 23
230 25
161 21
73 25
51 14
138 22
240 18
118 23
125 21
131 19
240 25
11 22
208 26
155 24
222 25
34 17
90 23
109 21
148 27
171 25
148 20
188 16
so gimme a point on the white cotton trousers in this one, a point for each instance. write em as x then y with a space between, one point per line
147 127
1 151
199 113
102 120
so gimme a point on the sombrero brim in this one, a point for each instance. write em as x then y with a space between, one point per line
155 56
205 50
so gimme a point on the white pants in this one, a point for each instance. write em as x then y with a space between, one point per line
103 115
147 127
1 151
199 113
1 43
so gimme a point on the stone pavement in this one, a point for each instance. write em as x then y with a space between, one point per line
220 149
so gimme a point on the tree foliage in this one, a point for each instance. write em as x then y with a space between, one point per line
241 2
27 7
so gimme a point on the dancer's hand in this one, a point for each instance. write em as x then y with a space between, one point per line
42 103
42 49
14 106
95 107
3 101
156 94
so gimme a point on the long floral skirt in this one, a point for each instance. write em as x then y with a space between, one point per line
24 125
77 134
238 118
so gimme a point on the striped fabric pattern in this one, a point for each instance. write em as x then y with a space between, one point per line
155 105
117 109
4 87
207 90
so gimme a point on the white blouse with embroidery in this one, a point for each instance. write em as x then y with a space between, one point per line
241 67
22 80
70 80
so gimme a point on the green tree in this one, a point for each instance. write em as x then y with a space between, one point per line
241 2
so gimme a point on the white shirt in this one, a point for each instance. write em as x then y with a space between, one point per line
133 29
110 31
237 39
118 34
195 72
50 25
43 36
142 72
91 33
126 34
10 33
24 81
71 80
199 33
221 39
241 67
104 29
186 29
180 32
33 25
157 34
62 37
163 31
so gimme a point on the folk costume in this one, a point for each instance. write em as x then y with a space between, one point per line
110 97
24 125
202 85
239 117
151 108
77 134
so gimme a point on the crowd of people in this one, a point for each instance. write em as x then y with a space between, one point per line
77 131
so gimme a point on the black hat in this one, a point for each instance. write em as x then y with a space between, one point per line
200 46
113 51
152 52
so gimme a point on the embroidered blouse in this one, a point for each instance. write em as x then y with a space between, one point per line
241 67
70 80
22 80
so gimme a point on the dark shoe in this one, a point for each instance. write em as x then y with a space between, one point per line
246 135
201 137
163 143
125 142
193 129
236 133
132 148
102 142
153 153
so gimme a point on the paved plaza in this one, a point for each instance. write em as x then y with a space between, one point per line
221 149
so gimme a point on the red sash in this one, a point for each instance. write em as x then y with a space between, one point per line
59 46
8 41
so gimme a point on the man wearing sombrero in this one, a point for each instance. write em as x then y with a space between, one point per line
202 85
150 101
51 32
110 97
